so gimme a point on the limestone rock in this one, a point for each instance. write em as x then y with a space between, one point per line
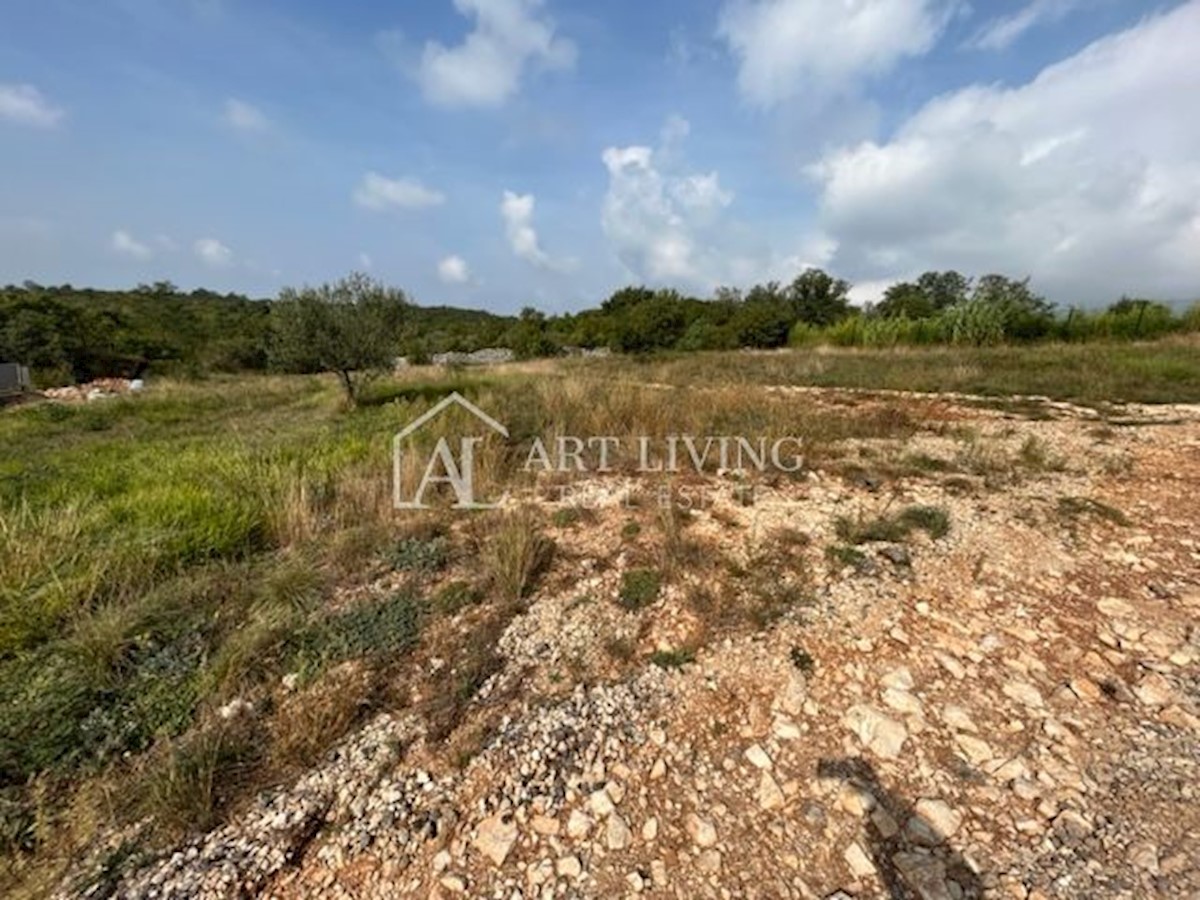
882 735
701 831
858 861
769 795
494 838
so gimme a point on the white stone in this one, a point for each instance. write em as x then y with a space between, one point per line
701 831
650 829
769 795
958 718
578 824
569 867
938 813
494 838
976 750
616 833
899 679
757 757
858 861
600 803
1025 693
545 825
882 735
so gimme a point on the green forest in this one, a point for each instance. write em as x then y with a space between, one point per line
67 334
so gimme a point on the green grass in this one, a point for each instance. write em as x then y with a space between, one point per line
844 556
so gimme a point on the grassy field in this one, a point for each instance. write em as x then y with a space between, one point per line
167 554
1166 371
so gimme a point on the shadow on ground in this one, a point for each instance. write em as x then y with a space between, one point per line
898 841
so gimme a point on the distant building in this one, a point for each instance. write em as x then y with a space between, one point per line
14 378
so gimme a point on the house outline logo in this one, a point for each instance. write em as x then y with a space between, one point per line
459 472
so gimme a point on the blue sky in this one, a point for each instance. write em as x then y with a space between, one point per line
497 153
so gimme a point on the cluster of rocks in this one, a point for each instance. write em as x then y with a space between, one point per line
99 389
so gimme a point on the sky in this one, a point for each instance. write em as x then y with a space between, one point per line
502 153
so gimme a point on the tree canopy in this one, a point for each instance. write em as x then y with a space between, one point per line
349 327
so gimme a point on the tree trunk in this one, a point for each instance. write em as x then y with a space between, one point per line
348 387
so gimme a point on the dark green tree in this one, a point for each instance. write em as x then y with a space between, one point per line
351 328
904 301
944 289
817 298
528 338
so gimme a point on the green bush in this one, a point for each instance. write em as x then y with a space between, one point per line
639 588
672 659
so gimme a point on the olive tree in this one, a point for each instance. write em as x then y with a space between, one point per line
350 328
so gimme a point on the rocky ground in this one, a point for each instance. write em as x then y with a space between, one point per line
1011 710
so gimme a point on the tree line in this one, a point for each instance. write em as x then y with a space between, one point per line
67 334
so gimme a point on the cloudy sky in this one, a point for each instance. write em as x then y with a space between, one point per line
497 153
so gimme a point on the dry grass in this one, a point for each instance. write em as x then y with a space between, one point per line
514 551
308 722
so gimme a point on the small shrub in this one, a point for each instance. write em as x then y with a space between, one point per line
933 520
673 659
923 462
639 588
630 530
1035 455
455 597
772 601
474 661
743 494
844 556
372 630
298 584
422 555
1079 507
621 649
858 531
803 660
677 549
567 517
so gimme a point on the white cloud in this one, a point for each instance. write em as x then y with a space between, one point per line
485 70
364 260
815 48
1002 31
1085 178
212 252
670 226
454 270
379 193
517 211
26 105
126 244
243 116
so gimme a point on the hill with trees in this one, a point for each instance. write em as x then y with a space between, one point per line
68 334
